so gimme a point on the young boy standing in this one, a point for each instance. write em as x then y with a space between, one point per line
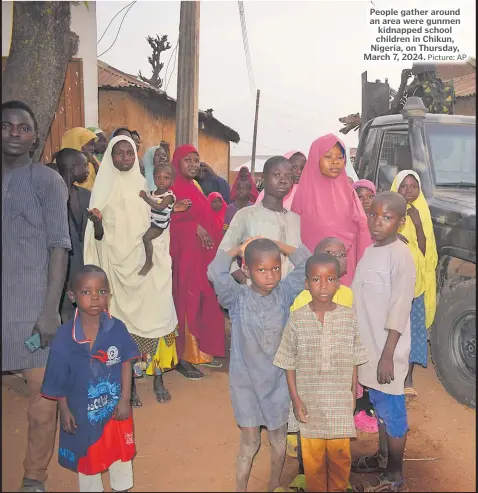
383 290
258 315
320 351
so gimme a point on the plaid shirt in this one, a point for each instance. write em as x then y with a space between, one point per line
323 356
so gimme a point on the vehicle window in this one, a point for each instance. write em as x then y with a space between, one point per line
452 153
364 166
394 156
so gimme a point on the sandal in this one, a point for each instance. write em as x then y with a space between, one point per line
383 485
212 364
194 374
297 485
411 394
135 400
363 463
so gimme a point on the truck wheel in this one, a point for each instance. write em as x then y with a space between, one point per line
453 342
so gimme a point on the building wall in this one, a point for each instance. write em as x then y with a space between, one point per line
83 23
155 123
465 106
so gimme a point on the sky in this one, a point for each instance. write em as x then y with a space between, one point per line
307 61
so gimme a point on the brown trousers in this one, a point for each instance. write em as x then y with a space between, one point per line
42 421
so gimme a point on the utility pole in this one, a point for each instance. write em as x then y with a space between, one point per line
254 138
188 75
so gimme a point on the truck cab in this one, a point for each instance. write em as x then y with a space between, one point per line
442 150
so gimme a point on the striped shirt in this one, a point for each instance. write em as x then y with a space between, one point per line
34 220
162 218
323 356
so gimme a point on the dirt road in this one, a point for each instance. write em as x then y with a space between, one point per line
190 444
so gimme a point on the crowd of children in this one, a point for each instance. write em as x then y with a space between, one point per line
313 335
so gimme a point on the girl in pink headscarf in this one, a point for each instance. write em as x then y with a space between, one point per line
327 204
298 160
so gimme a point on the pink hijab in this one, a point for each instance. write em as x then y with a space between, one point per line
330 207
287 204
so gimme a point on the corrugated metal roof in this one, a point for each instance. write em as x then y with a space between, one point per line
465 86
111 78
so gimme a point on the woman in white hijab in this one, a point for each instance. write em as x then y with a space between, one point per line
144 303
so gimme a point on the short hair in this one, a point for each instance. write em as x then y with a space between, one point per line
261 245
272 162
121 129
19 105
394 200
86 269
63 155
321 259
135 132
162 166
326 242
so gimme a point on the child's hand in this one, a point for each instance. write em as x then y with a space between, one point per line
95 215
242 246
385 370
123 410
414 215
182 205
300 411
143 194
67 420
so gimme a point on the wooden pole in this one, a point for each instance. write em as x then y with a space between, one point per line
254 138
188 75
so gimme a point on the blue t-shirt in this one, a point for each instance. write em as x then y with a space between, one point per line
89 379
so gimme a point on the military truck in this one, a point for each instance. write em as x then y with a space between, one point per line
442 150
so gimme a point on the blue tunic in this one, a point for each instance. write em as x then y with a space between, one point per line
90 380
259 392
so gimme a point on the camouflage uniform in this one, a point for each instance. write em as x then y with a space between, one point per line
438 96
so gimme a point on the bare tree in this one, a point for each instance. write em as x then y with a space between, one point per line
159 45
41 47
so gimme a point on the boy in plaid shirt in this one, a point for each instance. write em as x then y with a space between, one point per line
320 351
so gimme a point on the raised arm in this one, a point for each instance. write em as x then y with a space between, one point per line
294 283
218 272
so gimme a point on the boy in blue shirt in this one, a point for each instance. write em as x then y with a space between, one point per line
89 373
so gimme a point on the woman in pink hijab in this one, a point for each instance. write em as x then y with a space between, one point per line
298 160
327 204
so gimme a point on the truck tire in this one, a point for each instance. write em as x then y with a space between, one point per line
453 342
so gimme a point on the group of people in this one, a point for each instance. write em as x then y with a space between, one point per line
143 258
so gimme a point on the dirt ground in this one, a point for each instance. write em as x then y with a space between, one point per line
190 444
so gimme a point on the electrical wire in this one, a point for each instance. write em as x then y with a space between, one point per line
172 71
119 29
171 56
108 26
247 52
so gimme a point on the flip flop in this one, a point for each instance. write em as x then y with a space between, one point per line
361 466
383 485
212 364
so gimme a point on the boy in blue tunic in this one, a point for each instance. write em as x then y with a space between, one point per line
89 373
258 313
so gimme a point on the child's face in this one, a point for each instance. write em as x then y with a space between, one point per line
384 223
79 168
332 163
101 144
279 180
365 196
322 282
91 293
264 271
298 164
337 250
163 179
409 189
243 190
160 156
216 204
